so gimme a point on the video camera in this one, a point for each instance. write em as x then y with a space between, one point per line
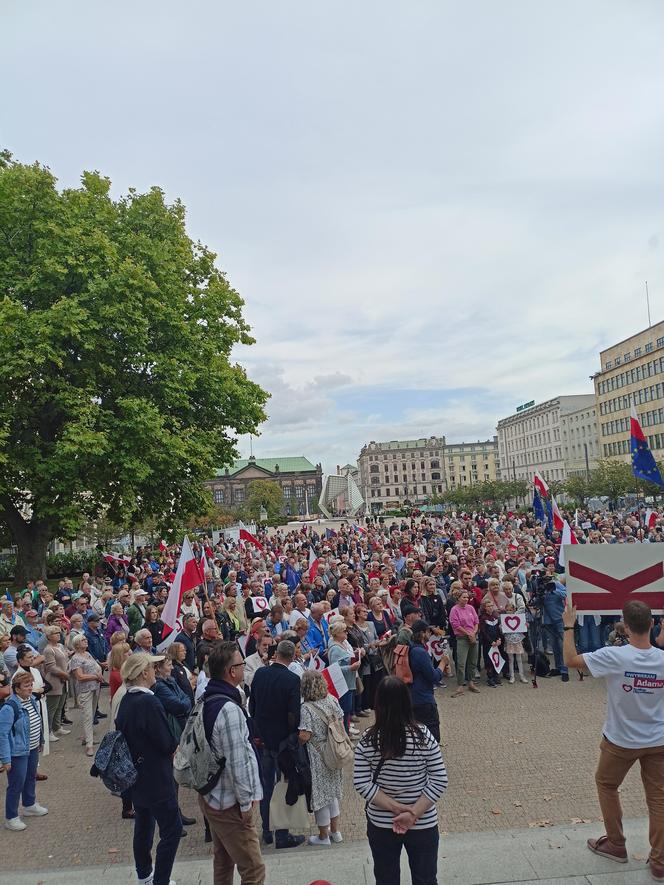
539 584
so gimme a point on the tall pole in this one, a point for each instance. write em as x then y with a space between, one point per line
648 304
585 452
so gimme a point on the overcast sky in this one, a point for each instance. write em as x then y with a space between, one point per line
435 211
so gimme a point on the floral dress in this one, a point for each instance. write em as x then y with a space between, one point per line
326 784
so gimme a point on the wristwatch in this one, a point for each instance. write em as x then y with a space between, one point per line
568 628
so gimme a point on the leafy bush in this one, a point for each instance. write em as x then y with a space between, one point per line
63 565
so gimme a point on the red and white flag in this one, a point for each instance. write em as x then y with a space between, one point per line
315 662
313 564
248 538
163 546
558 521
113 558
650 519
568 537
540 484
203 565
187 577
336 681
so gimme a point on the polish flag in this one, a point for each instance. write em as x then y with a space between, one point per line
541 485
115 557
248 538
203 565
650 519
163 546
558 522
315 662
313 564
187 577
568 538
336 681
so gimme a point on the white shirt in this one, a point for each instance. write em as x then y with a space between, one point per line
297 615
635 694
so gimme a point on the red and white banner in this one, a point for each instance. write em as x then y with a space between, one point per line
496 659
435 647
514 623
601 578
568 537
163 546
331 614
336 681
187 577
248 538
259 604
315 662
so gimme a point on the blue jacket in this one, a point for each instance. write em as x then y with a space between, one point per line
15 740
292 578
97 645
554 605
425 676
317 638
173 699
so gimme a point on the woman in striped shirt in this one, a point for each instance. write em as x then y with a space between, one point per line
399 771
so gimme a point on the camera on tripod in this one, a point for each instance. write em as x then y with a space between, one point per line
539 584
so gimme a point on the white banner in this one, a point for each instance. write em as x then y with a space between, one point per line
602 578
515 622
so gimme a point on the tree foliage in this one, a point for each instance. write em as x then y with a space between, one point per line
117 389
265 493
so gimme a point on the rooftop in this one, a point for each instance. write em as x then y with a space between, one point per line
409 443
286 465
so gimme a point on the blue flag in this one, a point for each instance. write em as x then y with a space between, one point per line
644 465
537 507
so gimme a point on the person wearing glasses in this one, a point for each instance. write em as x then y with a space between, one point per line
142 720
230 806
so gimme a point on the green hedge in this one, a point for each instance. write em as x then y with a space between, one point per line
60 565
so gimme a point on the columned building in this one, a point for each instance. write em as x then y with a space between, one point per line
300 480
631 371
549 438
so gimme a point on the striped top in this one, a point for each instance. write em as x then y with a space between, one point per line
35 723
420 770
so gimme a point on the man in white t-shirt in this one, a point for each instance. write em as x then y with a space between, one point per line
634 728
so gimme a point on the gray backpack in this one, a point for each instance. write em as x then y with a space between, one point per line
195 764
337 750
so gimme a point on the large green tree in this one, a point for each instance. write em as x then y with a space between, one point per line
268 494
118 393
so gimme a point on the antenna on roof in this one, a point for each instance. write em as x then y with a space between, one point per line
648 305
251 446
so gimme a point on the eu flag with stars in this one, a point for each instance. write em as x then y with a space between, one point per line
644 465
538 510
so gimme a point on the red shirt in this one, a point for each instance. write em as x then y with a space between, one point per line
114 682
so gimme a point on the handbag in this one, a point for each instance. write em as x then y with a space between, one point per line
359 684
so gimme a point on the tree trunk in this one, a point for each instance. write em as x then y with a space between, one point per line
31 560
32 540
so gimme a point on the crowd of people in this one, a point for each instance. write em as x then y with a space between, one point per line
248 651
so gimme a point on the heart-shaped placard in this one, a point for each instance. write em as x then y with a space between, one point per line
512 621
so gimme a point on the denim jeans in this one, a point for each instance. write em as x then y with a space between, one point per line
589 635
21 783
422 850
269 769
166 815
555 634
347 704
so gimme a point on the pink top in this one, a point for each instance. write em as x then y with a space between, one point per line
465 617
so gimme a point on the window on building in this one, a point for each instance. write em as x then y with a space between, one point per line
660 342
299 490
374 468
618 362
387 493
435 465
238 495
637 351
649 347
218 496
435 475
627 357
288 492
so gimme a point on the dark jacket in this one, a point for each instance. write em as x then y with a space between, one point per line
173 699
182 680
274 704
97 645
188 642
434 611
142 720
425 676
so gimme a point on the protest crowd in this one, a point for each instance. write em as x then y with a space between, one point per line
292 655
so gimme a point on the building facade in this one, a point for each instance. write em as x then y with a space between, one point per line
400 472
300 480
392 473
631 371
468 463
532 438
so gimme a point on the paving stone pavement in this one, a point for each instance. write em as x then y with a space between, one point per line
517 757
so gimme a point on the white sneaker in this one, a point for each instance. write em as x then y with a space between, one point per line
62 731
353 730
316 840
53 738
15 823
511 680
336 837
35 810
523 679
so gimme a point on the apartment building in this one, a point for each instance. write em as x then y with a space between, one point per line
467 463
549 437
631 371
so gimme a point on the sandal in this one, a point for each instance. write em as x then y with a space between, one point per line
457 693
472 687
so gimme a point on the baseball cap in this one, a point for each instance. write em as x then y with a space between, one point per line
93 616
419 626
31 613
137 663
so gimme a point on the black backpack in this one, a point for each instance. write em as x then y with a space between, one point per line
542 665
114 764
